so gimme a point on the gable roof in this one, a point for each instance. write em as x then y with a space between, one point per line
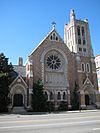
53 30
18 79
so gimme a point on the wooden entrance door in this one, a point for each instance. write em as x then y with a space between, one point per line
86 100
18 100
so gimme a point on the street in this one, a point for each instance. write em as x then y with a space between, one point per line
65 122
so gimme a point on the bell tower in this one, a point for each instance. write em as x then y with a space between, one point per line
77 36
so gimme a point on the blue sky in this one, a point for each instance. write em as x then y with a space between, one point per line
24 23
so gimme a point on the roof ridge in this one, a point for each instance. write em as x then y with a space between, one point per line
53 29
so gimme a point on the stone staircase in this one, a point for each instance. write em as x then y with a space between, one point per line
18 110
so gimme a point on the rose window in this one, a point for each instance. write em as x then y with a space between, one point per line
53 62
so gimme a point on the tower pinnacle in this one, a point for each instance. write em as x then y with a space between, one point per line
72 14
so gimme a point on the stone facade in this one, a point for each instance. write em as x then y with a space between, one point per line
60 65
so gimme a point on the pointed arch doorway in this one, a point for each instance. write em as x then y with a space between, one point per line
89 95
18 96
18 100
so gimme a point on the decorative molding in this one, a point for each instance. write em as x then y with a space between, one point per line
53 48
88 82
22 88
18 91
16 80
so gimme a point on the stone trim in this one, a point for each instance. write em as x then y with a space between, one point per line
15 80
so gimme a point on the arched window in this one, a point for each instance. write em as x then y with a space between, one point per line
84 42
64 96
51 96
88 67
84 49
78 30
83 67
83 32
79 40
54 37
59 96
80 49
51 37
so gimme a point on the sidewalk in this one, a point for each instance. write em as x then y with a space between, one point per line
22 111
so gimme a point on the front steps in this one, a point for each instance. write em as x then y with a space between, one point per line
18 110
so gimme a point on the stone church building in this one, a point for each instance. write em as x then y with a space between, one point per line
60 64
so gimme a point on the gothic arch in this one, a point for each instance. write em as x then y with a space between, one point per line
88 89
47 50
89 94
18 89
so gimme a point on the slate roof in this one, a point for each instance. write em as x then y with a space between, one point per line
21 70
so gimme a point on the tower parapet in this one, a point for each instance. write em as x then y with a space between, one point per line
77 36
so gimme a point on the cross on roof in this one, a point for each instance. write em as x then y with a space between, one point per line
53 24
